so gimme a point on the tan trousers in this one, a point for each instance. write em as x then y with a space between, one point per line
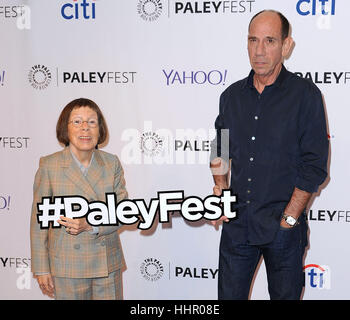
104 288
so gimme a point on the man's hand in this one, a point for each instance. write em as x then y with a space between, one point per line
217 190
284 224
220 170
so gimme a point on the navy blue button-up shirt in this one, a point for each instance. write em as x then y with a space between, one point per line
277 141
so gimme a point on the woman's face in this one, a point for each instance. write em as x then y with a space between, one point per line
83 130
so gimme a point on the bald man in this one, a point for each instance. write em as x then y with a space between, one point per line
276 158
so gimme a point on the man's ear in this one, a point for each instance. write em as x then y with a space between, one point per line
287 47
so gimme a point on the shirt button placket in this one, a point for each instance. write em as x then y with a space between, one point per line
252 142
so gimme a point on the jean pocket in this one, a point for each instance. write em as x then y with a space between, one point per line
288 237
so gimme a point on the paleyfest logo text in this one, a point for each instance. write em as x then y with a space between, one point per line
170 146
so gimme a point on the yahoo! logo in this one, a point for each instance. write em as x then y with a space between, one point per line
85 9
39 77
313 7
5 203
317 276
212 77
2 77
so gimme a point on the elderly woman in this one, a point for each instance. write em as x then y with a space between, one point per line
78 261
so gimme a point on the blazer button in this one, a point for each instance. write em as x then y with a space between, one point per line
76 246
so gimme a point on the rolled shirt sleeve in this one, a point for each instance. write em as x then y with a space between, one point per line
313 141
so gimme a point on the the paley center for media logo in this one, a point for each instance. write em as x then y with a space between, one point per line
151 10
39 76
151 269
167 146
151 143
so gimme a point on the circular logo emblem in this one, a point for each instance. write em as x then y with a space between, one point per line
149 10
152 269
39 77
151 143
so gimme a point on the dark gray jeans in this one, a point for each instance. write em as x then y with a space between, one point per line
283 259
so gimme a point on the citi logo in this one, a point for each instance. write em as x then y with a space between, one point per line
315 7
317 276
85 9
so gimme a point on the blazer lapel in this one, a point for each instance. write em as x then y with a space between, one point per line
95 172
74 174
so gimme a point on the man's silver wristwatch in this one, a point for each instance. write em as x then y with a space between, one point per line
291 221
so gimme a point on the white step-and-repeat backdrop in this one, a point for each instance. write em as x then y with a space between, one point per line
157 68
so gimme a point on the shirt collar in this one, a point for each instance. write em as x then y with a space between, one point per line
80 165
278 82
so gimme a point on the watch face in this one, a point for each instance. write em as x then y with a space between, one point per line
290 220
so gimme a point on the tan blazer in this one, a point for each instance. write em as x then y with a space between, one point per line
84 255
